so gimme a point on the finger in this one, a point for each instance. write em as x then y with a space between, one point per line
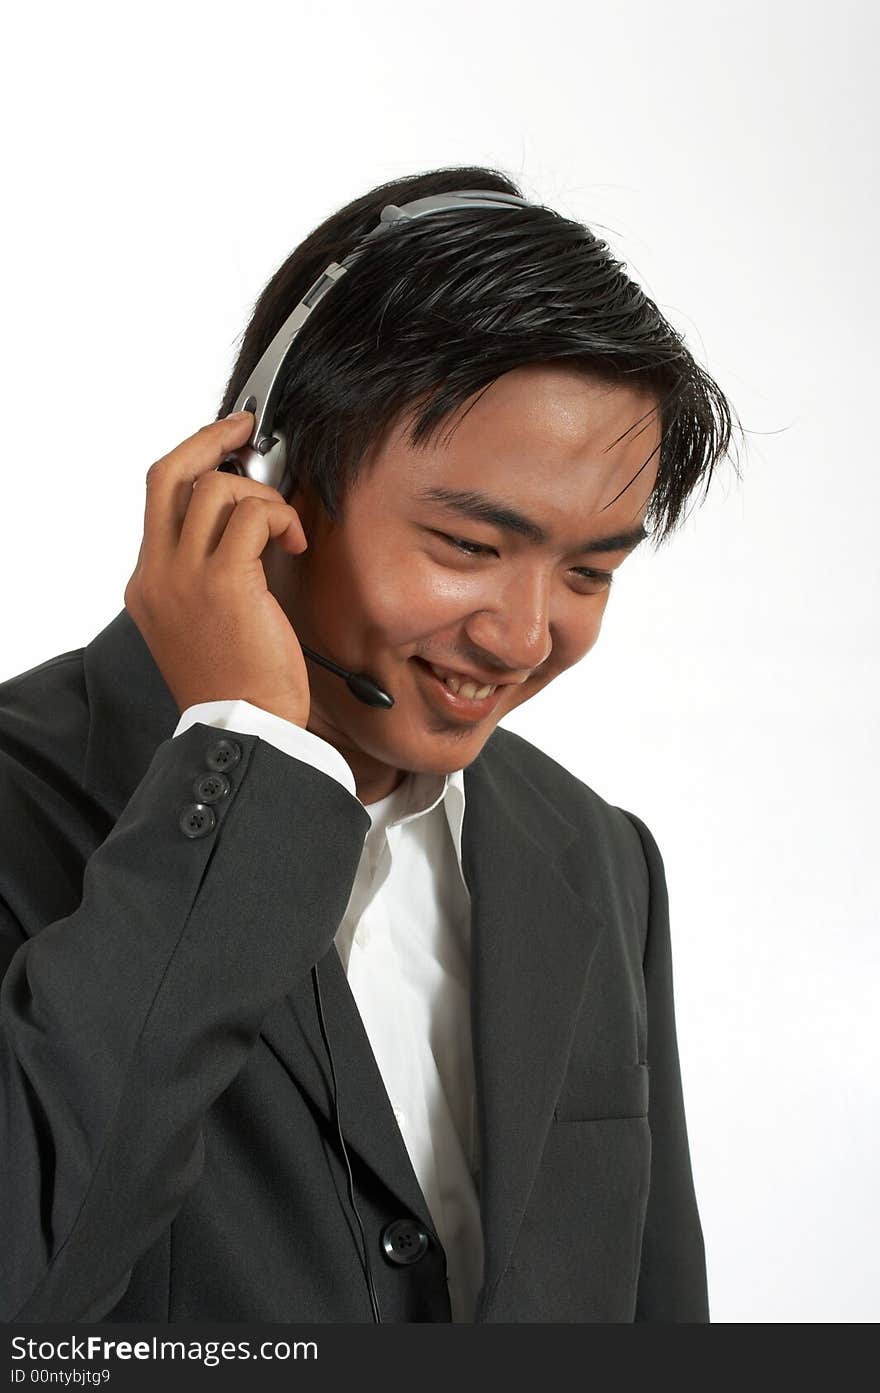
253 522
170 481
212 503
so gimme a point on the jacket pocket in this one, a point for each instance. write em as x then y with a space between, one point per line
599 1091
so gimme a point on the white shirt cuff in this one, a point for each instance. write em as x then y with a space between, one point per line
294 740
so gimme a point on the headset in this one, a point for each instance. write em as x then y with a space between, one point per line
264 458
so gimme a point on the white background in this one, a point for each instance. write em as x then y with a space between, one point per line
159 165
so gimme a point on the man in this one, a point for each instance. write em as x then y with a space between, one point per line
317 1011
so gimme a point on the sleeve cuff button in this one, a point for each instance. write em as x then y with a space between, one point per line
197 820
223 754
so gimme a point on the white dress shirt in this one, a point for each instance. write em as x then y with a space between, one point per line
404 943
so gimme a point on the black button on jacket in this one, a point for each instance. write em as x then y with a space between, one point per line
170 1149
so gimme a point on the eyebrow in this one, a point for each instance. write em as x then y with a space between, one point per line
484 509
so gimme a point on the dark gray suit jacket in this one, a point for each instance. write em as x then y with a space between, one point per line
169 1149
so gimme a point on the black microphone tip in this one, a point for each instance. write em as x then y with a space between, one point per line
366 691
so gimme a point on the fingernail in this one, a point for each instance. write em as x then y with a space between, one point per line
237 415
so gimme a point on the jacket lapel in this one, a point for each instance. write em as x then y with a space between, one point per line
533 938
292 1031
532 942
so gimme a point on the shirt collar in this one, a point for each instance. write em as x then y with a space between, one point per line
419 793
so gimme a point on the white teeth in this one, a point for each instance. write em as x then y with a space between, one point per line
462 686
473 692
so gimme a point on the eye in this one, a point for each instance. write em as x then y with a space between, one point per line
598 580
601 580
469 548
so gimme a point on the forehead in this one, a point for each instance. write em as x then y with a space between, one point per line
550 439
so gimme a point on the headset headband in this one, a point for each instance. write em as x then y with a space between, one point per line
259 394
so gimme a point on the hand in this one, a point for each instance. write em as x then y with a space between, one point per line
198 593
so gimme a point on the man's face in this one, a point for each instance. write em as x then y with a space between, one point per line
384 590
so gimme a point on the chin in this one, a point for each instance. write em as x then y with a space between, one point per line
442 753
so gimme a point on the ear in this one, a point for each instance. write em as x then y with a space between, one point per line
303 498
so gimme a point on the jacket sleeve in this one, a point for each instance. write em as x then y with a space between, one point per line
121 1023
672 1285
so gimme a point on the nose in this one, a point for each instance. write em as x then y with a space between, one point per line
515 629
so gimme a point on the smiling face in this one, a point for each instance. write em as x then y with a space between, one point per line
385 590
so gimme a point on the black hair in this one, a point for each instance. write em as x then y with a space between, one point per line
435 309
